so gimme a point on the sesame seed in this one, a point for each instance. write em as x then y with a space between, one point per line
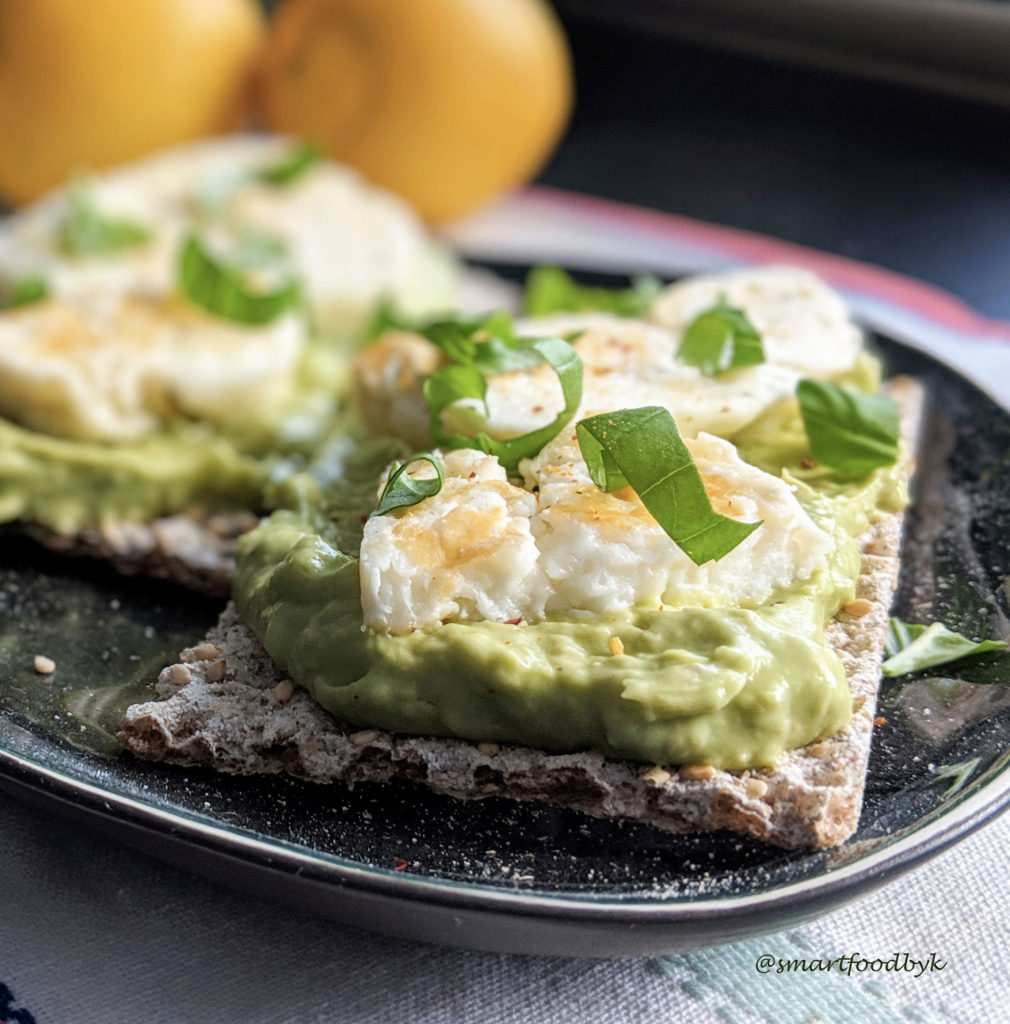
202 652
44 666
616 645
214 672
284 691
179 675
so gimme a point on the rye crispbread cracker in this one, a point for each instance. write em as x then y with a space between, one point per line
226 705
195 551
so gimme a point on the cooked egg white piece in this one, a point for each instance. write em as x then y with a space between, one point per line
605 551
484 548
468 553
804 325
626 363
110 367
351 243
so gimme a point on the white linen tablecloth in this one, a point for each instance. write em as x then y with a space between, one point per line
93 933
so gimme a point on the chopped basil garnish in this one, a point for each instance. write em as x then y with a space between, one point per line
402 490
552 290
912 648
86 231
958 774
385 317
720 339
291 166
849 432
642 448
465 380
488 343
215 190
225 291
26 292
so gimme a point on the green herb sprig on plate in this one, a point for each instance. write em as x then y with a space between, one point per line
914 648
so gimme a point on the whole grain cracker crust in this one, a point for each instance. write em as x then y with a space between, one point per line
226 705
191 549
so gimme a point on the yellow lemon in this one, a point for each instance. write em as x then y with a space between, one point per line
447 102
91 83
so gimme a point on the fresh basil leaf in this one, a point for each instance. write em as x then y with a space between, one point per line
223 290
487 342
958 774
86 231
642 448
454 383
719 339
552 290
565 362
26 292
291 166
912 647
454 337
849 432
446 387
402 490
385 316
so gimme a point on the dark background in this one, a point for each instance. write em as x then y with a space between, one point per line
908 179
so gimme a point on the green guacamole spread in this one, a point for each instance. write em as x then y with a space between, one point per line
732 687
68 485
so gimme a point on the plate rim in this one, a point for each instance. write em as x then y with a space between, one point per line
806 897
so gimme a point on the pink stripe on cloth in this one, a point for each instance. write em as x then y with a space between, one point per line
745 246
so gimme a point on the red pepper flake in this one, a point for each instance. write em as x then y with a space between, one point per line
880 720
513 622
399 864
807 462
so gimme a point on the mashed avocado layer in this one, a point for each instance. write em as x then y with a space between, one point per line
731 687
68 485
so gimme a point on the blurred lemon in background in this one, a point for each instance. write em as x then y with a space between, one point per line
447 102
91 83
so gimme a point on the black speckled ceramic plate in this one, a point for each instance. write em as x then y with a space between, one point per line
500 875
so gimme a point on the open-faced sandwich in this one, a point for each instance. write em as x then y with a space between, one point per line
638 565
171 343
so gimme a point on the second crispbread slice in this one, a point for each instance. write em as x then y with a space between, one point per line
196 551
226 705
